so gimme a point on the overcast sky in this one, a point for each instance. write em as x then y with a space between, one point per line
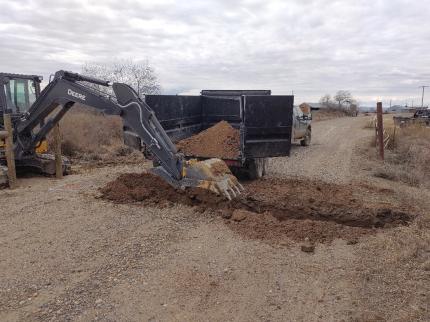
375 49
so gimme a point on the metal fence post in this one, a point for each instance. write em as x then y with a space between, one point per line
380 129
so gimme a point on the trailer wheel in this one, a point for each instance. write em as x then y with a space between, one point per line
256 168
266 166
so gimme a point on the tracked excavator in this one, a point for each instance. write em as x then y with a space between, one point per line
35 113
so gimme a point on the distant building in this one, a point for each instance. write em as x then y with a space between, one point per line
395 109
400 109
367 109
311 107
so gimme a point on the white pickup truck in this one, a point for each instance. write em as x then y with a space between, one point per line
302 130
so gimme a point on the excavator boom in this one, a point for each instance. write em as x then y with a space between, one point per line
67 89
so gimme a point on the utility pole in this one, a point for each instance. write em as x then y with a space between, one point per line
422 97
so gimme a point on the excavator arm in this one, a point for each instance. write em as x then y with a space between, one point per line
67 89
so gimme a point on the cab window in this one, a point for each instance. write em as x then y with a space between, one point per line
9 89
20 98
20 94
31 92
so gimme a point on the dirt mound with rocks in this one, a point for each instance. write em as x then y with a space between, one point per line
272 210
219 141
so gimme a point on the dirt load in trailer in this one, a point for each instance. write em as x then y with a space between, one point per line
221 140
243 128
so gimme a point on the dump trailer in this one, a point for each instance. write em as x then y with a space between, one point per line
264 122
35 113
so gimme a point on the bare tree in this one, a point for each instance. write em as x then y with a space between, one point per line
139 75
343 98
326 101
353 108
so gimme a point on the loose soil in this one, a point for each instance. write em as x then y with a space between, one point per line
280 209
219 141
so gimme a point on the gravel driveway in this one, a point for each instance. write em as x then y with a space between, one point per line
330 154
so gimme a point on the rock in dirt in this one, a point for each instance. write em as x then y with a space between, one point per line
240 214
219 141
307 248
426 266
225 213
352 241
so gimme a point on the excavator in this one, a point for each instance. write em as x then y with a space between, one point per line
35 112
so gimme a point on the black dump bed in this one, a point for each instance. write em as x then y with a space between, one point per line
264 121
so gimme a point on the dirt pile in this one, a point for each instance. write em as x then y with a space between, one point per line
152 190
220 141
275 210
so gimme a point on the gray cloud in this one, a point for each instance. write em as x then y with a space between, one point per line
375 49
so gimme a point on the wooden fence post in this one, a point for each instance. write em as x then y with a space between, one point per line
58 159
10 157
380 129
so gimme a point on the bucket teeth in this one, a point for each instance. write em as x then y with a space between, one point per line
238 188
214 175
227 194
232 192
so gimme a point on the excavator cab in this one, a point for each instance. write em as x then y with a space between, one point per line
18 92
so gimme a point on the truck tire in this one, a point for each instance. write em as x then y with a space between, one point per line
256 168
306 141
266 166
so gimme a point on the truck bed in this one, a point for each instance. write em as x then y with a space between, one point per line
264 121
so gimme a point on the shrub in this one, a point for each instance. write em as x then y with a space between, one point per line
86 131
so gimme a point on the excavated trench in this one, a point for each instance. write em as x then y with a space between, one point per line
272 209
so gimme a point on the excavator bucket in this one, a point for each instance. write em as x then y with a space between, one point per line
212 174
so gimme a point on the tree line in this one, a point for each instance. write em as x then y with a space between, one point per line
342 100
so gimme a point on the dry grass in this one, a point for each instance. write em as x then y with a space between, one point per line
88 134
396 267
407 158
371 123
328 114
390 131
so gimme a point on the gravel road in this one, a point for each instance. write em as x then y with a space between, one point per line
67 255
330 154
